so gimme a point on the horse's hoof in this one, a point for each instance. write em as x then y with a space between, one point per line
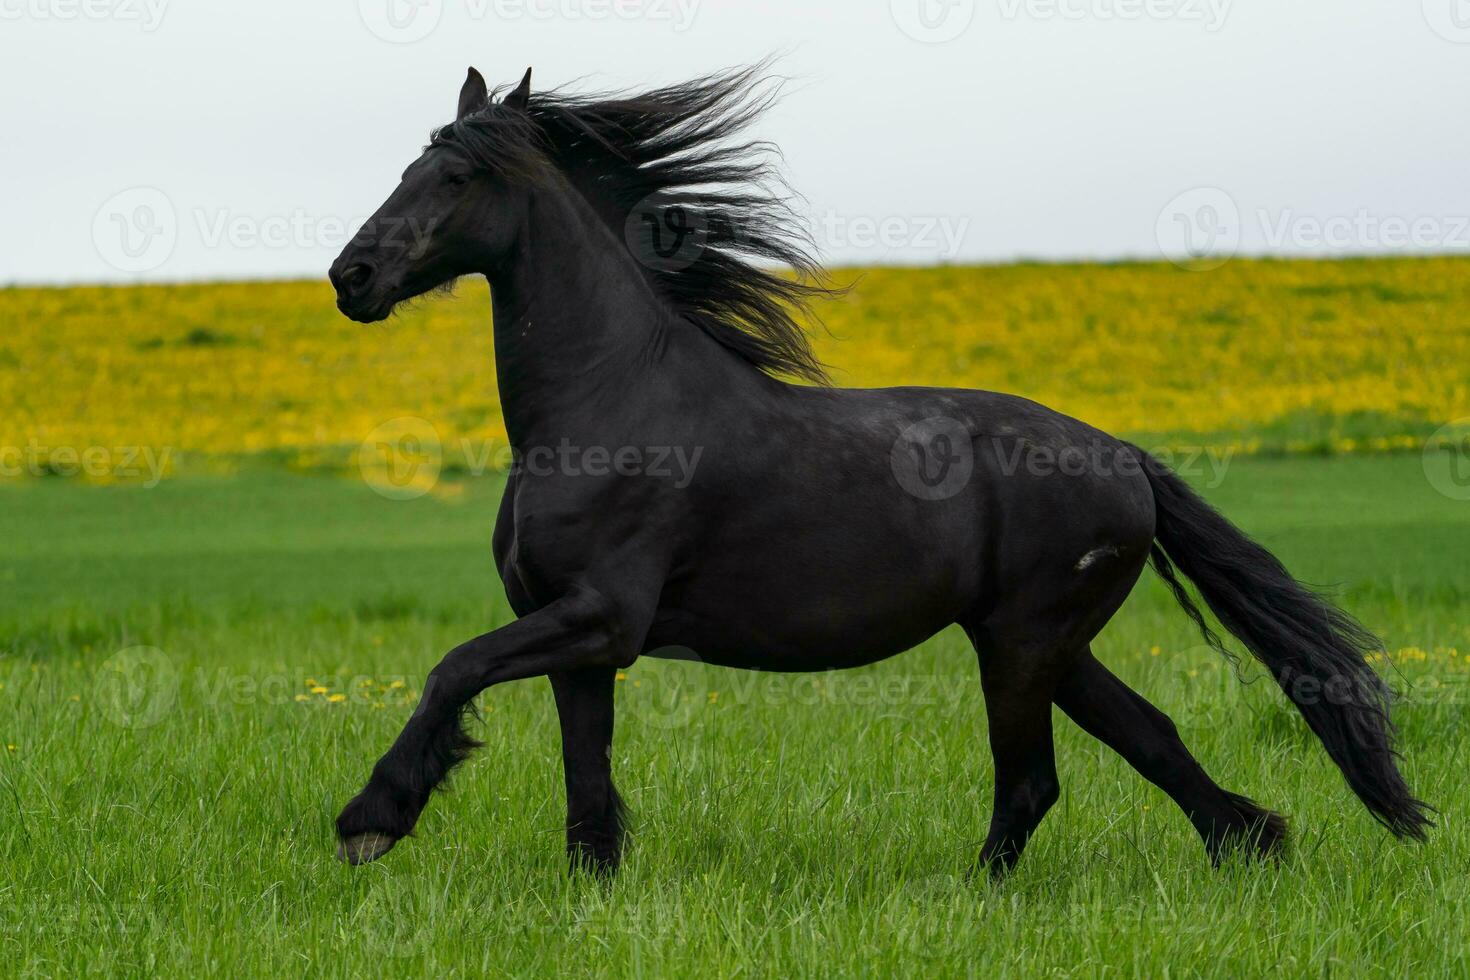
362 848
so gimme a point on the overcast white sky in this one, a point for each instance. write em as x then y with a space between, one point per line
186 139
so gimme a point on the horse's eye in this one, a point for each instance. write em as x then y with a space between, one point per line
459 180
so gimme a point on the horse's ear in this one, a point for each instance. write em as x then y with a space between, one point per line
472 96
518 95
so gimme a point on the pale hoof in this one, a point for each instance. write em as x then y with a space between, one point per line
362 848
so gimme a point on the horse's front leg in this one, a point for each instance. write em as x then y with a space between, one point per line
584 702
583 630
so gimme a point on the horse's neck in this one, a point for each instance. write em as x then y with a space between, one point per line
575 320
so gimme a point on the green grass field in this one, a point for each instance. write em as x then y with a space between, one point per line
169 810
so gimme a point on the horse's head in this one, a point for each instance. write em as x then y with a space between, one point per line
454 212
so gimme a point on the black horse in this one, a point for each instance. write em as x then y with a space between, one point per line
638 255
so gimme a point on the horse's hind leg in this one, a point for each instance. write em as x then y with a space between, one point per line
1109 710
1018 694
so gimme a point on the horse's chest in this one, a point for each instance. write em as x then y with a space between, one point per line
540 553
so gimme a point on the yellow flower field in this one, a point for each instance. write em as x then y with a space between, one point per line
1261 356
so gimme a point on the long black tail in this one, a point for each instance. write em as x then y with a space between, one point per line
1315 651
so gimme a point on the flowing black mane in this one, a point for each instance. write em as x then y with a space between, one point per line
707 215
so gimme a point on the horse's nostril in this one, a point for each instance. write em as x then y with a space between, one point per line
356 274
352 277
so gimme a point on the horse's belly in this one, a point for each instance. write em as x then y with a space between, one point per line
801 623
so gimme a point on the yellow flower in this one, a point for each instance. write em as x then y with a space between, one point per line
318 689
621 676
1262 342
303 697
337 698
